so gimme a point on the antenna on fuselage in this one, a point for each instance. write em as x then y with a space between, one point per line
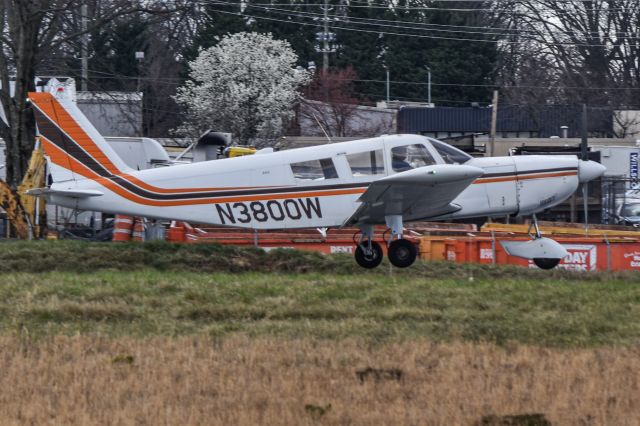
322 128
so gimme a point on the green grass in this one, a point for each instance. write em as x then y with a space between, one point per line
374 306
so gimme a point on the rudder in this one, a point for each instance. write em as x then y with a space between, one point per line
73 145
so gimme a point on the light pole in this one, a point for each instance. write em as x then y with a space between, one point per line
428 84
387 70
139 59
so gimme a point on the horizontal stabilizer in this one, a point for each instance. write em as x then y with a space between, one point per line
540 248
73 193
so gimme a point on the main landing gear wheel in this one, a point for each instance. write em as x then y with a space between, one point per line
402 253
546 263
369 258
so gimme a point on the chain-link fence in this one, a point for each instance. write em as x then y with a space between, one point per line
620 201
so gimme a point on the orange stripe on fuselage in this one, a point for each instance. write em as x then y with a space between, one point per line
524 177
55 154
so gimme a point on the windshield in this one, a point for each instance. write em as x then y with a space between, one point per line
449 154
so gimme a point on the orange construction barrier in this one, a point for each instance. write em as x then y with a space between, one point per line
122 227
138 230
458 243
176 232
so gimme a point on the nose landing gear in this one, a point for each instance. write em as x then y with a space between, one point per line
541 262
544 252
546 263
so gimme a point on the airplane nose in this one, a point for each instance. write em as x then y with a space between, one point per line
589 170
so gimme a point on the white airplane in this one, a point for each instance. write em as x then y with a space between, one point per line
383 180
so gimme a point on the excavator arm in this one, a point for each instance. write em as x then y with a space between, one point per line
21 208
10 203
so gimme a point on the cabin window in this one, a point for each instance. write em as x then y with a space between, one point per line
408 157
449 154
366 163
314 169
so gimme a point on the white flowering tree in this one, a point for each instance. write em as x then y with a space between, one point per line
246 85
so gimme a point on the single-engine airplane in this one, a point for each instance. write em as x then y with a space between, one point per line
384 180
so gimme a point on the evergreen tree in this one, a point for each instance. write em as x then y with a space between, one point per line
455 62
215 22
363 51
113 65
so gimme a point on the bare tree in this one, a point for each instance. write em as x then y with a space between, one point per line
30 30
587 48
331 103
626 124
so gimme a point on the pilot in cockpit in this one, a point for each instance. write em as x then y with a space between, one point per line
399 161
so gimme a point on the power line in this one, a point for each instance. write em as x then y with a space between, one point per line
174 80
424 25
417 8
498 86
426 36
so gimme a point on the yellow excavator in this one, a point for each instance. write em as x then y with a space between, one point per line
26 213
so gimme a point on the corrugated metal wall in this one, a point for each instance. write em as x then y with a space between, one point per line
541 121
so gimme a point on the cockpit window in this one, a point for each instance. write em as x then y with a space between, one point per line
449 154
314 169
408 157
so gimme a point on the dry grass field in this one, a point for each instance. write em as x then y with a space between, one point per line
161 334
195 380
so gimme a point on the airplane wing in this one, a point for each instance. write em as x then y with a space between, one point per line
73 193
415 194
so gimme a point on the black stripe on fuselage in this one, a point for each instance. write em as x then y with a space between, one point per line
53 133
527 172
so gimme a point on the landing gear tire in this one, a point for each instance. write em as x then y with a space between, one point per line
546 263
369 258
402 253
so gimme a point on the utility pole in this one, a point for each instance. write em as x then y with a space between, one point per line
494 119
325 29
325 37
84 49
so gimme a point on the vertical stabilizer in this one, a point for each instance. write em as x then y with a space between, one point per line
75 148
